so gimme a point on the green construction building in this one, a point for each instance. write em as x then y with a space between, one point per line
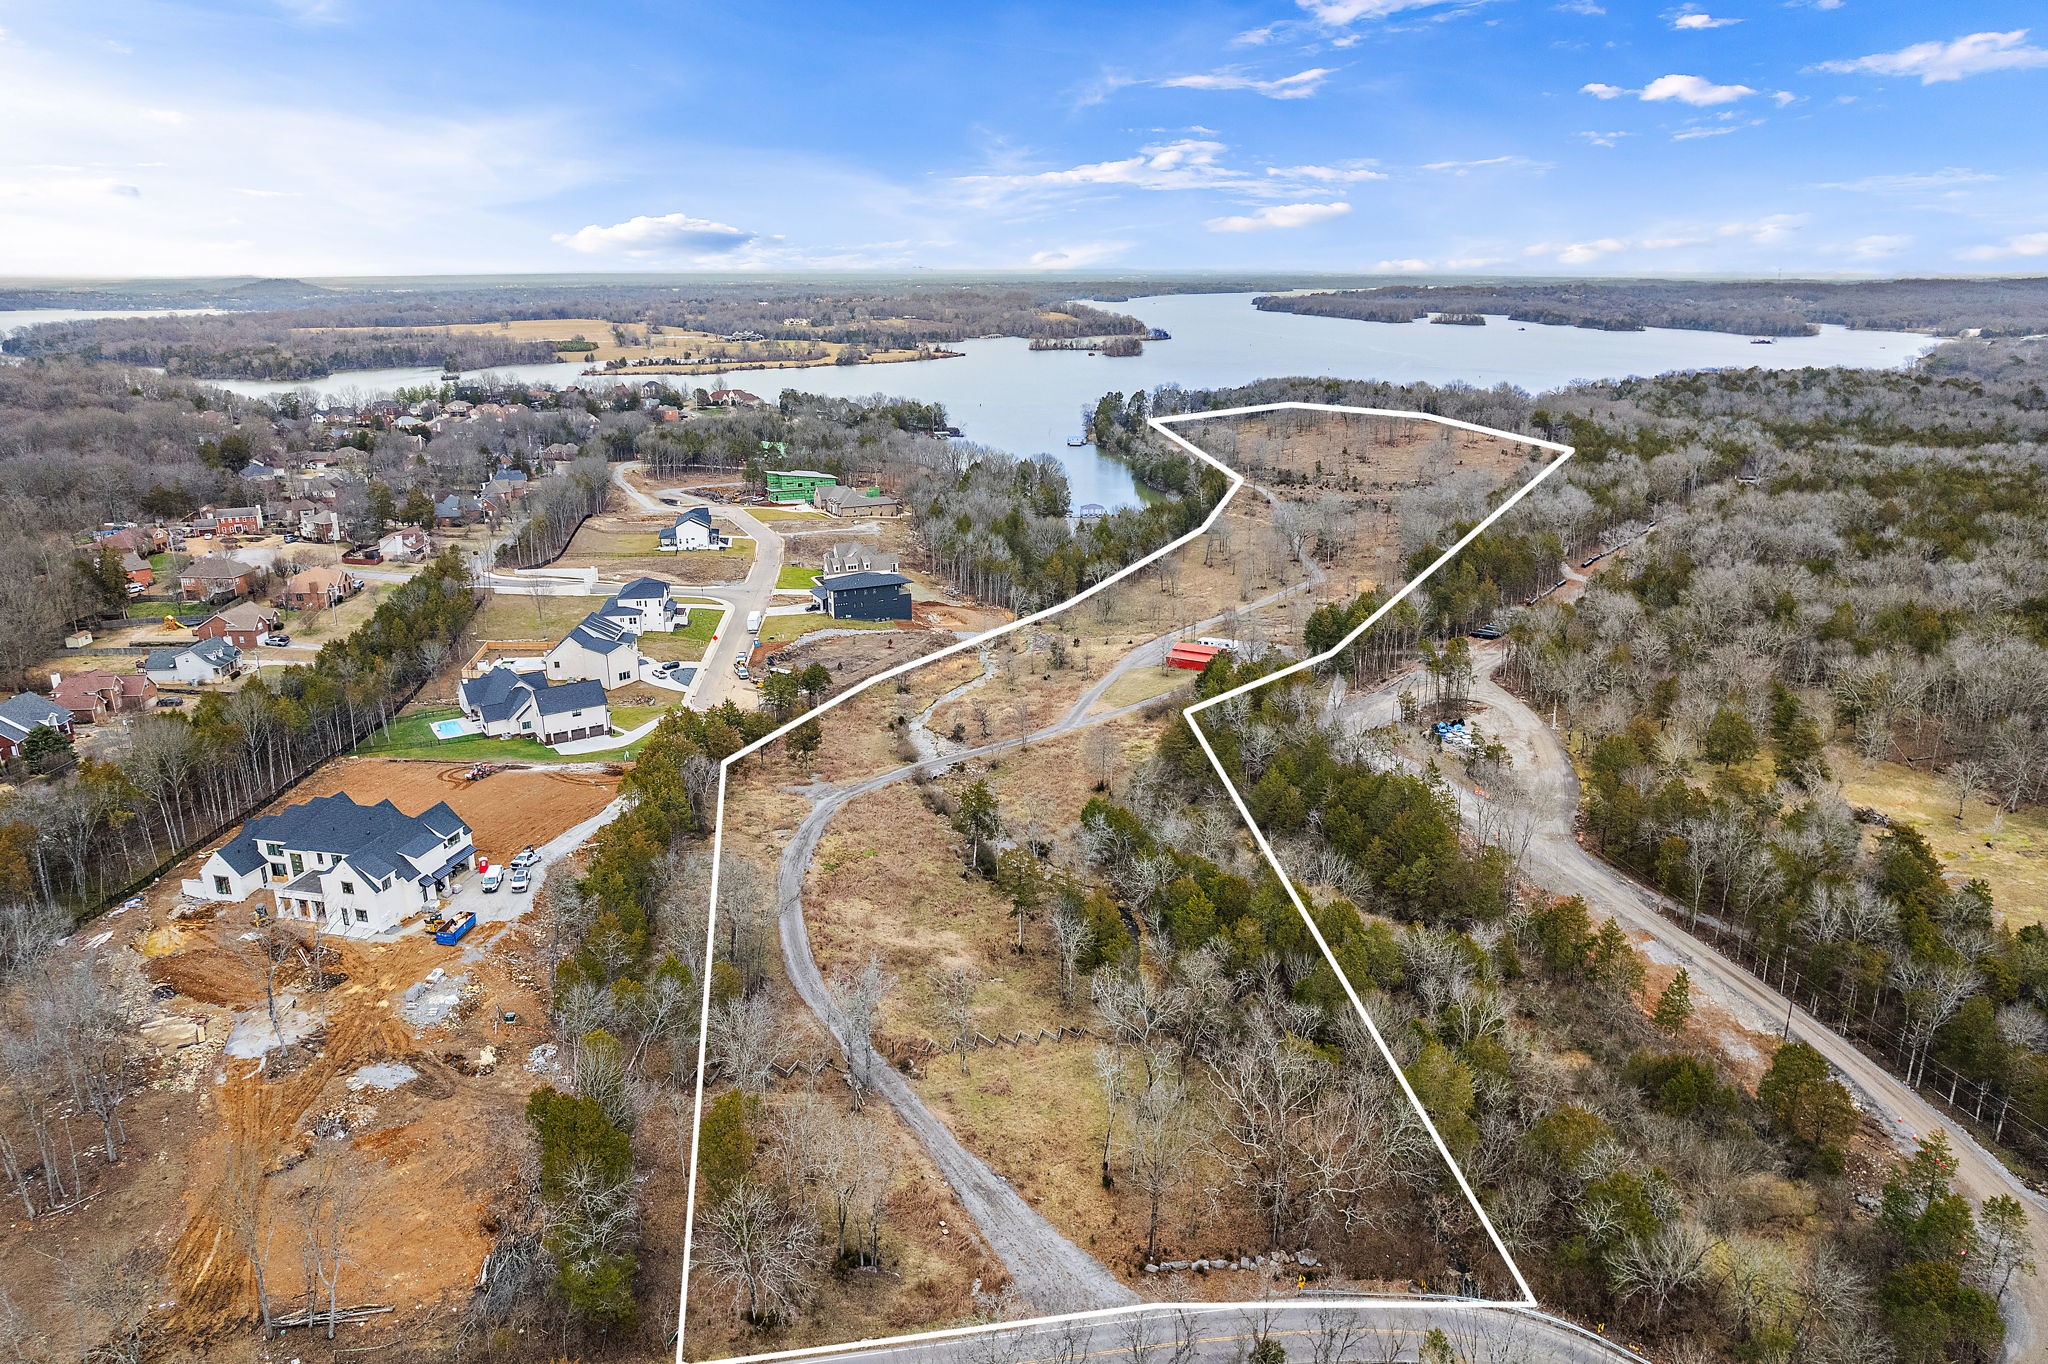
796 485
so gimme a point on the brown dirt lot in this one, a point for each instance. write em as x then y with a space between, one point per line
506 811
621 544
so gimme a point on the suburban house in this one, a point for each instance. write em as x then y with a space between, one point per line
236 520
241 625
796 485
858 556
214 576
692 530
137 568
359 869
645 606
24 713
256 471
458 509
317 588
869 501
510 705
93 695
732 397
598 649
205 660
321 525
864 596
406 545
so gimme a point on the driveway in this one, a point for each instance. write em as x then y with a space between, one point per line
756 592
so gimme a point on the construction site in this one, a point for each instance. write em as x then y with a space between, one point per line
318 1125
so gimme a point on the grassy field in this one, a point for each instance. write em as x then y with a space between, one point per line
2010 854
795 576
1142 684
504 616
789 514
317 627
781 629
411 737
688 643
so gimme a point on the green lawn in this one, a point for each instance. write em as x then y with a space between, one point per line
795 576
410 737
777 629
506 616
688 643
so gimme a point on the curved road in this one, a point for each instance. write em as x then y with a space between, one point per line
1556 860
1050 1271
754 593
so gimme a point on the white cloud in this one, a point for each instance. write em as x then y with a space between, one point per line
1697 91
1325 174
1409 266
1467 167
1076 257
1951 61
1585 7
1186 163
1693 19
1782 98
1911 182
2028 246
1877 246
670 234
1337 13
1300 85
1764 231
1603 139
1255 37
1279 216
1694 90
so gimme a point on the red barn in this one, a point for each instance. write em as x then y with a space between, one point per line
1193 657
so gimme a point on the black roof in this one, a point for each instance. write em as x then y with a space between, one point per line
853 582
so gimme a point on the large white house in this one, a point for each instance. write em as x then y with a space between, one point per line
645 606
509 704
692 530
600 649
358 869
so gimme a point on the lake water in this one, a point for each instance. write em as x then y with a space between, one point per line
14 319
1002 394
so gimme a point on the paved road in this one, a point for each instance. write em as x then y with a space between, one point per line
1381 1332
717 682
1556 861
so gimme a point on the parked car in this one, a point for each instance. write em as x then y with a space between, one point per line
134 589
519 881
739 669
277 639
672 666
493 879
814 606
527 856
291 539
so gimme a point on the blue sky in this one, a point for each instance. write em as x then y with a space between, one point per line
1397 136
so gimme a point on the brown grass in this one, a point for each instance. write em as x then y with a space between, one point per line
2010 853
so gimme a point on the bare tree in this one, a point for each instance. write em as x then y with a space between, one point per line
1071 938
956 986
762 1251
745 1037
858 996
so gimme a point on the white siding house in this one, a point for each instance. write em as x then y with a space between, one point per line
598 650
692 530
358 869
508 705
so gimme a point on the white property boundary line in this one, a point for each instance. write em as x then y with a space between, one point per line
1528 1301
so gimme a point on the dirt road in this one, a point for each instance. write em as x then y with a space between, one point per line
1052 1272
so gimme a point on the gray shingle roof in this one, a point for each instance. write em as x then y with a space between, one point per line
849 582
370 838
24 711
499 694
641 589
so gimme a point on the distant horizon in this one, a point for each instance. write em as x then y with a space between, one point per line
1248 275
1409 138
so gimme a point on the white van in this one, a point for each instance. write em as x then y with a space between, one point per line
753 622
492 879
